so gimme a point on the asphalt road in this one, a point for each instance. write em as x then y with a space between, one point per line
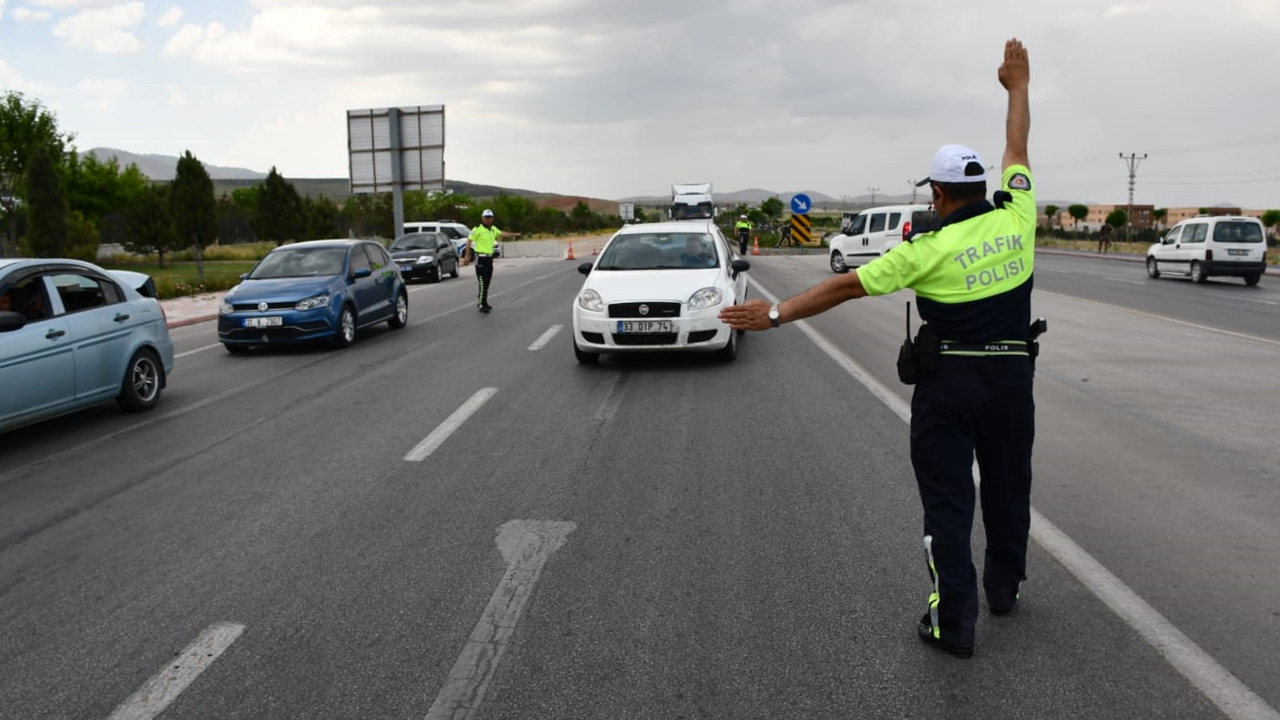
660 537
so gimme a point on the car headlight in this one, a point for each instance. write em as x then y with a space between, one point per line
311 303
424 259
705 298
591 300
225 308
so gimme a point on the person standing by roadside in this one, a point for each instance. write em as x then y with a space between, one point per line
481 245
972 364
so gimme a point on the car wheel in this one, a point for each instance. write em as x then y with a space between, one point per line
436 276
346 336
140 389
1197 272
729 351
236 349
1153 270
584 357
1252 280
401 318
454 274
837 262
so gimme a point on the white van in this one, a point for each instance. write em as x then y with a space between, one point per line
873 232
455 231
1207 245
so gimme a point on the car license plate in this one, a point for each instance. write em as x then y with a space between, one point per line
406 268
645 326
1234 251
261 322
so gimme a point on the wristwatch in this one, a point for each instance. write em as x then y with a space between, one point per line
775 316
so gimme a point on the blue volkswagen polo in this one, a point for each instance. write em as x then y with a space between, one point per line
317 290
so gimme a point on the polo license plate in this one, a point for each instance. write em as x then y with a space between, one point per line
1235 252
262 322
645 326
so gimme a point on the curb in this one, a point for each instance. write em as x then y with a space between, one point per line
191 321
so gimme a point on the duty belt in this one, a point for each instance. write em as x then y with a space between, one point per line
997 348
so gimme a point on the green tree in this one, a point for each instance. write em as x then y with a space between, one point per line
82 237
581 217
149 224
1078 212
23 126
1117 218
1050 212
772 209
277 215
46 205
193 206
1269 219
1159 214
321 218
98 189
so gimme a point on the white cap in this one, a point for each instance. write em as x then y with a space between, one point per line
956 164
744 217
487 213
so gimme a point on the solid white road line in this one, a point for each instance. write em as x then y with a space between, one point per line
525 546
546 338
1124 280
452 423
165 686
193 352
1217 683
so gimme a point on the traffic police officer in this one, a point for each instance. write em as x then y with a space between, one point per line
973 395
482 243
743 228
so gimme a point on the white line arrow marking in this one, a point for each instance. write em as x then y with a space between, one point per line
525 545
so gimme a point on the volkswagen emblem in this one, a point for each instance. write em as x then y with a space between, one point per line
262 307
644 309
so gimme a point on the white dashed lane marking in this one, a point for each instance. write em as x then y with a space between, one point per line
450 425
165 686
546 338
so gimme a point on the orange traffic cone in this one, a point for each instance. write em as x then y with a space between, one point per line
570 255
755 247
595 250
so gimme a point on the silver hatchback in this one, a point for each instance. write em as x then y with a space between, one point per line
74 335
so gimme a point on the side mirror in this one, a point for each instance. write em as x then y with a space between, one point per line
585 268
740 266
10 321
244 276
363 272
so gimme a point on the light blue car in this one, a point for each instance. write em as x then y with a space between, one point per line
74 335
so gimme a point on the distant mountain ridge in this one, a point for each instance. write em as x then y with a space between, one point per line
165 167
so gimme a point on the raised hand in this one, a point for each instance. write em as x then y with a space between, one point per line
1015 71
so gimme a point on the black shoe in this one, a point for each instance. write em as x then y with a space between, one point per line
925 631
1001 604
484 309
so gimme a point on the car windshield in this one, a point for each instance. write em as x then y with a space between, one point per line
419 241
857 225
301 262
1237 232
659 251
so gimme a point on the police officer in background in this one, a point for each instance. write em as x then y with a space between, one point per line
743 228
972 276
481 245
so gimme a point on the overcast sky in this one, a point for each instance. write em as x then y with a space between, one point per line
622 98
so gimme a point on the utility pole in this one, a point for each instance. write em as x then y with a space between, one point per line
912 183
1132 160
873 192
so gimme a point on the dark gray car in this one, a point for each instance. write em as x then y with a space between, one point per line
425 256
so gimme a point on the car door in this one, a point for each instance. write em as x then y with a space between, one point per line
446 255
874 240
385 277
1164 252
37 366
892 232
1190 246
100 327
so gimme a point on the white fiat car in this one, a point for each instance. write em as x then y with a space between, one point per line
659 287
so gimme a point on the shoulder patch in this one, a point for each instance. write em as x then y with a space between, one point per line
1018 181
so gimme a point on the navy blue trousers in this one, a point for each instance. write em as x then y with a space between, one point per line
973 407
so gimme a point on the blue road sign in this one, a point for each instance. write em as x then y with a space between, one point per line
800 204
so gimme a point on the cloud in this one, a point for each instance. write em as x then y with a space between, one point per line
102 93
25 14
105 31
170 17
177 98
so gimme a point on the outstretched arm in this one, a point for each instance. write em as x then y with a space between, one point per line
1015 76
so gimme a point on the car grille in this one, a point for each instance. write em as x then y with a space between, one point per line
656 310
249 307
276 334
645 339
701 336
